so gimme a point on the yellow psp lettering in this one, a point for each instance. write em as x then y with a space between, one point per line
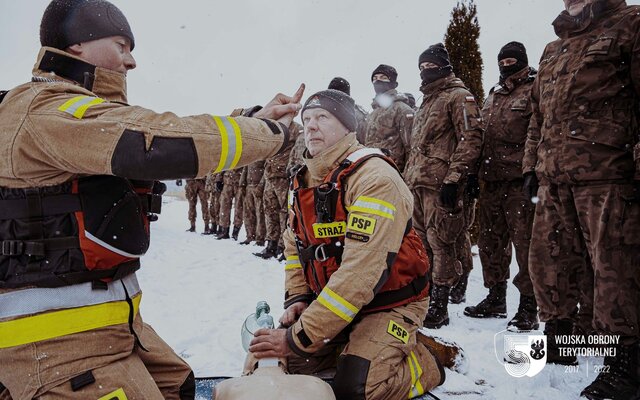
332 229
398 332
116 395
360 223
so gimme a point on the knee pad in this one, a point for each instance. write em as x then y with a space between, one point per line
351 377
188 388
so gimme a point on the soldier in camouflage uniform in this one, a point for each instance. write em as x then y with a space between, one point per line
213 187
388 126
231 196
445 146
276 190
254 221
343 85
194 190
506 214
583 149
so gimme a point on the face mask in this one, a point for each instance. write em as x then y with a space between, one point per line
382 87
430 75
507 71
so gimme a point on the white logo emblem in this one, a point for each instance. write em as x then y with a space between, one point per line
523 354
315 102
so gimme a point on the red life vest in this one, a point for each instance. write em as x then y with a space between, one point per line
318 217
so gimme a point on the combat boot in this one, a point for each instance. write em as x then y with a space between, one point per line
192 228
438 314
248 240
207 230
260 242
213 229
270 251
280 253
526 319
618 379
459 291
553 328
449 354
236 231
223 234
493 306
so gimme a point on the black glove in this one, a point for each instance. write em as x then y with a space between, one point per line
449 195
219 186
530 187
636 191
472 190
178 182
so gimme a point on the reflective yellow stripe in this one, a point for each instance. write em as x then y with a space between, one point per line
374 206
293 262
416 372
79 105
65 322
337 304
231 143
116 395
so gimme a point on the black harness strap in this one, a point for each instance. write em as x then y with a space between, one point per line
37 248
131 317
393 296
50 205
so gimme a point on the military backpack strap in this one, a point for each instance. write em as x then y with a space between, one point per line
2 94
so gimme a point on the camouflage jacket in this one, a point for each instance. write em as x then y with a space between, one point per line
296 156
361 118
390 127
253 174
585 99
447 135
276 167
506 115
211 180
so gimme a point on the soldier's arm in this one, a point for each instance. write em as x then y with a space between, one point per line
530 157
467 122
385 203
296 288
101 137
404 120
635 78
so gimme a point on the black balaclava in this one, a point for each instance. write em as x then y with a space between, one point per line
513 50
438 55
388 71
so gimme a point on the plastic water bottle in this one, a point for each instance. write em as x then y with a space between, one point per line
258 320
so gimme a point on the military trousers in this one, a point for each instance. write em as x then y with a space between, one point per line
506 219
103 363
442 232
194 191
231 198
585 240
254 220
275 207
214 206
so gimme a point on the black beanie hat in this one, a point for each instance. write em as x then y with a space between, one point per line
339 104
436 54
387 70
340 84
514 50
69 22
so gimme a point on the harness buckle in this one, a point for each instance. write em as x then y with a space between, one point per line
12 247
320 253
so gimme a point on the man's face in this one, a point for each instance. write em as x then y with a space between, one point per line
113 53
427 65
507 62
380 77
574 7
321 130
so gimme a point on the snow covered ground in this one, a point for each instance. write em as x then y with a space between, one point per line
198 291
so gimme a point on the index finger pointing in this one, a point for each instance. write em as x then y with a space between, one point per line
297 97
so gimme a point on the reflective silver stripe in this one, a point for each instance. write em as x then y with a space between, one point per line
228 163
74 107
37 300
374 206
358 154
109 247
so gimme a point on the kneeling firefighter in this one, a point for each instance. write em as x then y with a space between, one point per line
78 188
356 272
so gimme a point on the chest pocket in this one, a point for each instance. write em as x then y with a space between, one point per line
520 105
600 47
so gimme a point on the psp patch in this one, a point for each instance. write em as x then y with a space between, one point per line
398 332
358 237
362 224
332 229
115 395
